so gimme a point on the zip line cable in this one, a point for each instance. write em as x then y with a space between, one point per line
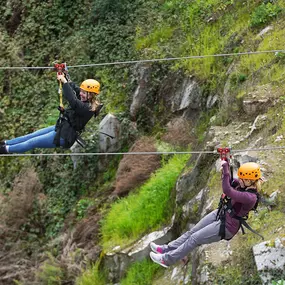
139 153
145 60
133 62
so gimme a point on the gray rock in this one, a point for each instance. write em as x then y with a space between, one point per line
188 95
194 206
75 148
211 101
119 259
270 258
265 30
110 125
139 96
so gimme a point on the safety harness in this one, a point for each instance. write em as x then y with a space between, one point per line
225 206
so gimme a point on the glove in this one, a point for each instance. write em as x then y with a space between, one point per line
61 77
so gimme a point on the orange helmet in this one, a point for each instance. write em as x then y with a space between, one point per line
90 85
249 170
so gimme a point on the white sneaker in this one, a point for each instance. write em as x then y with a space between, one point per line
158 258
156 248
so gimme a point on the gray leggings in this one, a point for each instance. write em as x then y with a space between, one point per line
204 232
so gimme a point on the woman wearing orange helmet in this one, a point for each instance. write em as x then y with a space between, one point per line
239 197
83 105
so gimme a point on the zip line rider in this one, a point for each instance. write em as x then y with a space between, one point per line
83 105
239 197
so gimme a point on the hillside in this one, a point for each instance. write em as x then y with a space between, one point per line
88 219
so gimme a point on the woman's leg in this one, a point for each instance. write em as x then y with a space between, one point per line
30 136
208 219
41 141
205 235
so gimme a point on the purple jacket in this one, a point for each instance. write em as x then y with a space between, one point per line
242 202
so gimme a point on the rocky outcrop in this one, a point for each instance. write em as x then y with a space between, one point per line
109 134
259 99
143 72
187 95
119 259
270 260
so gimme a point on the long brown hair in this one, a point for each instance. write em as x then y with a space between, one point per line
256 184
94 102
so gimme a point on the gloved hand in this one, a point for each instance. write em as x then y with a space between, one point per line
61 77
225 166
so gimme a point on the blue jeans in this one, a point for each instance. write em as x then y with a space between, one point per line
42 138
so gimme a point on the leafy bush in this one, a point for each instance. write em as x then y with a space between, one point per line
82 207
279 282
264 13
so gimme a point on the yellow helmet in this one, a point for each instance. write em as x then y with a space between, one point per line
249 170
90 85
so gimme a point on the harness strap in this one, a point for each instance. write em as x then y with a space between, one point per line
222 231
226 206
245 224
56 139
60 95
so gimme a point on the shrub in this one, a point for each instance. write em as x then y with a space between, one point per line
264 13
82 207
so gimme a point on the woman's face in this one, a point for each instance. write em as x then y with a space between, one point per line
245 182
83 95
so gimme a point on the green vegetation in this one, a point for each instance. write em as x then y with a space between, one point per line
50 273
92 276
279 282
264 13
127 218
140 273
82 206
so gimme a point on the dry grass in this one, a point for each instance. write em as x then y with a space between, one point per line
179 133
136 169
19 203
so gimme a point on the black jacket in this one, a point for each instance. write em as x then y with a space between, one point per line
75 116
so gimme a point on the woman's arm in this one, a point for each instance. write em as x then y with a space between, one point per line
77 105
70 95
238 196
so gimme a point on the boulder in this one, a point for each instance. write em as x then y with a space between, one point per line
270 259
109 126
